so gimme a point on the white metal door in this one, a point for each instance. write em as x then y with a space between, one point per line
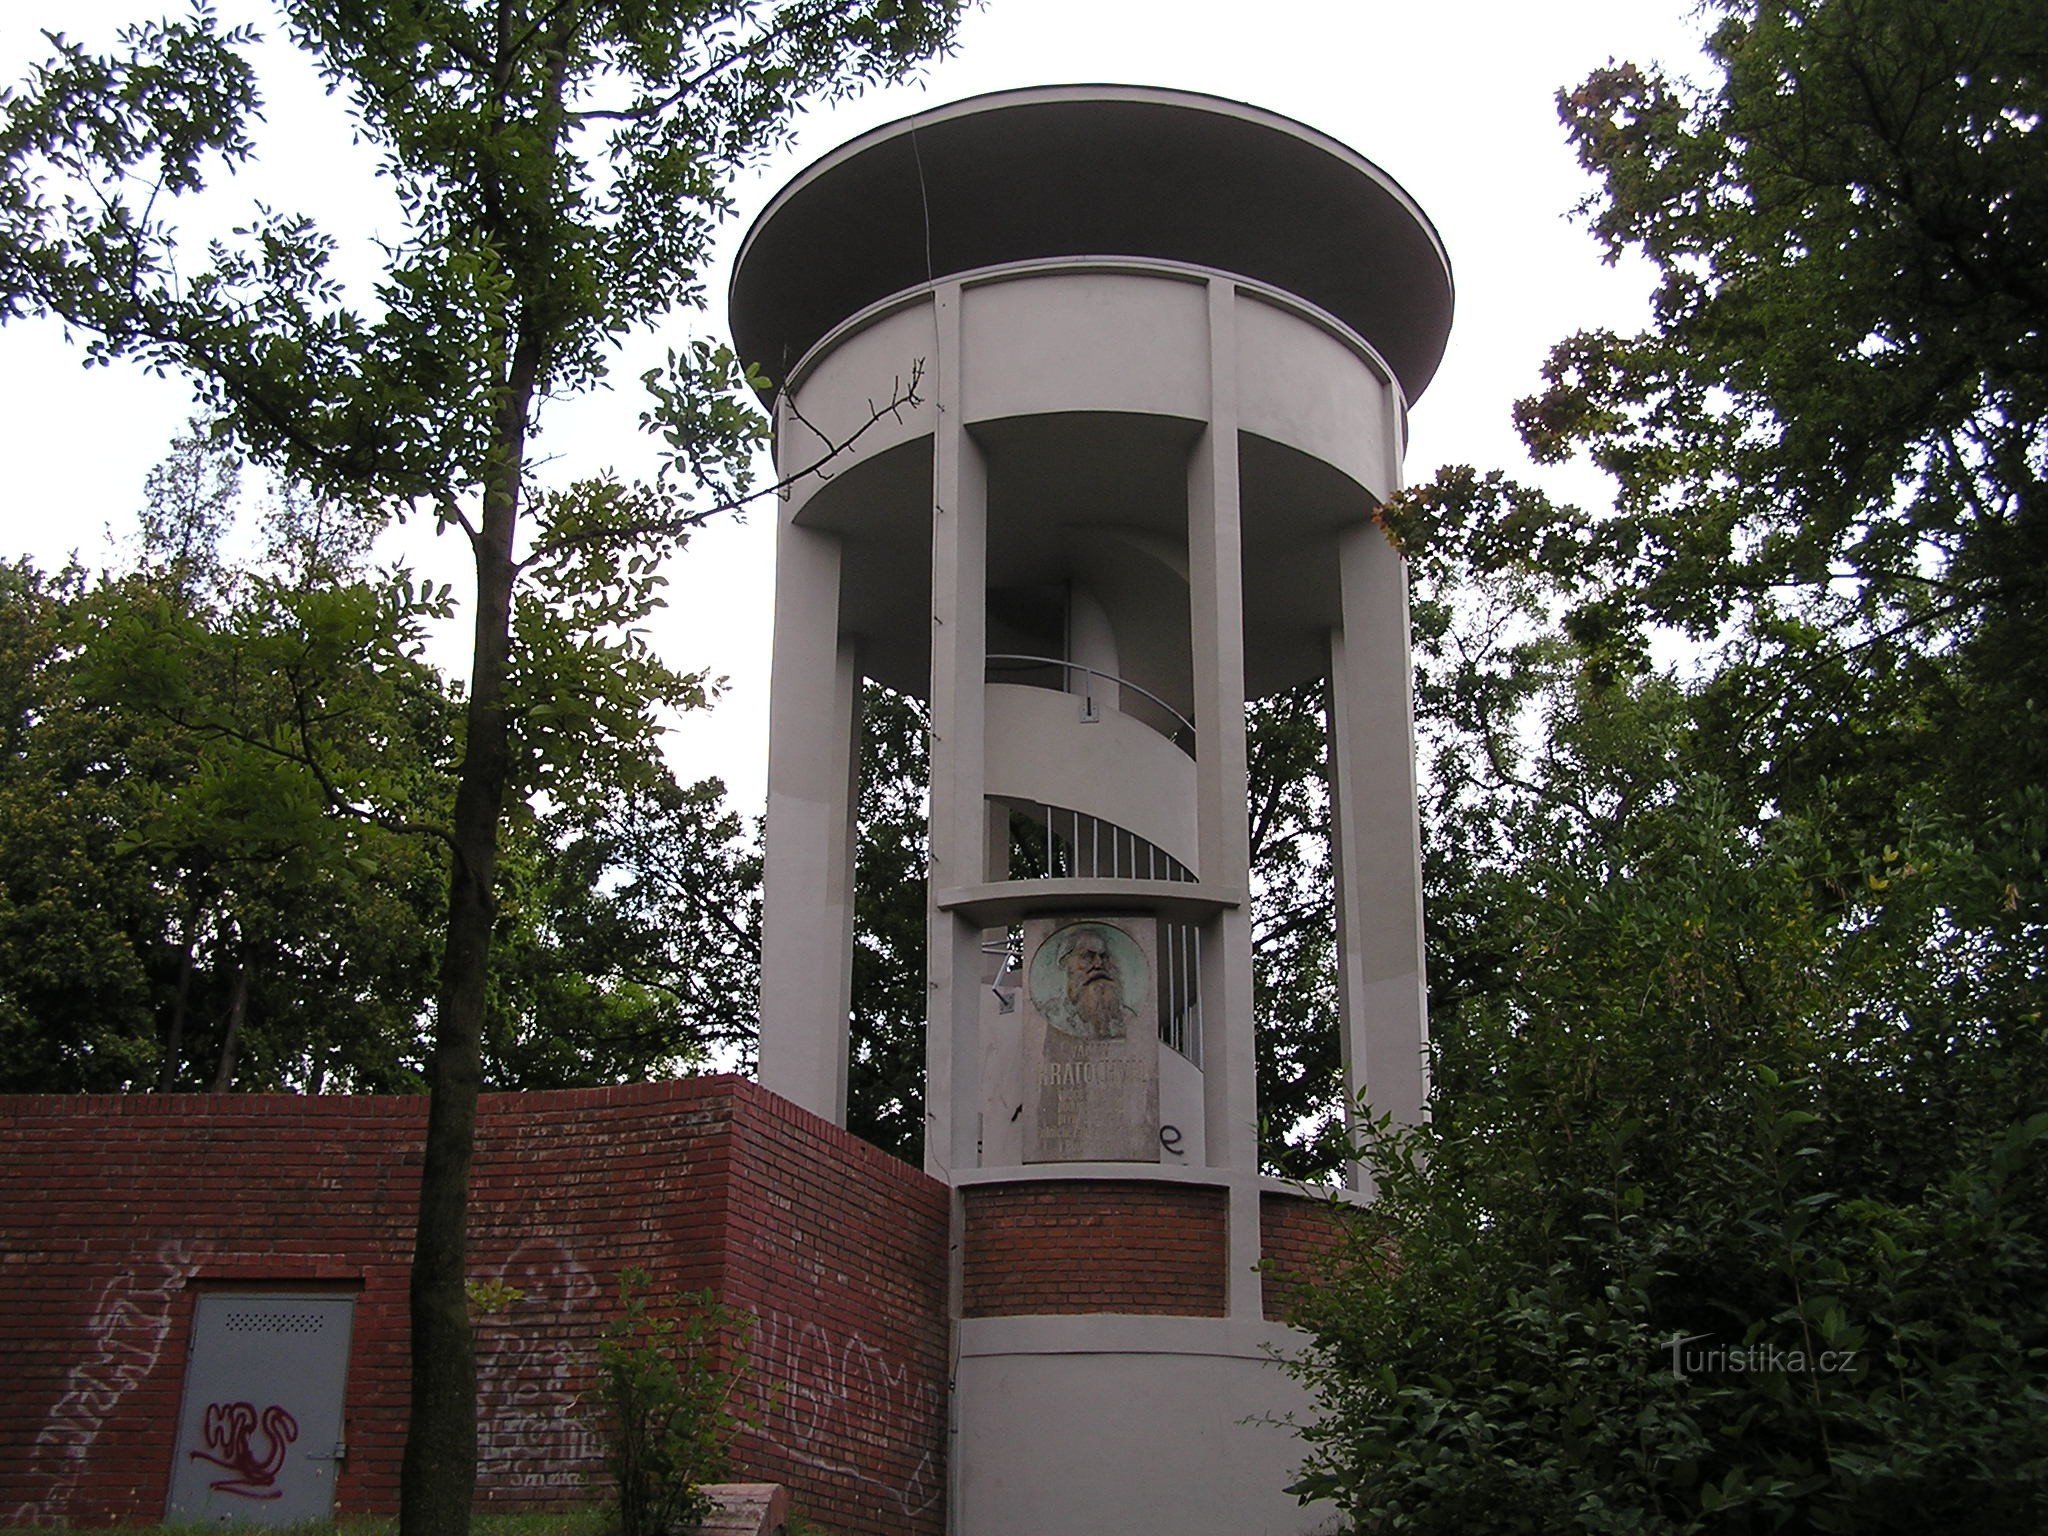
260 1433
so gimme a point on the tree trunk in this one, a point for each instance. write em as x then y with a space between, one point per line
174 1042
437 1480
231 1037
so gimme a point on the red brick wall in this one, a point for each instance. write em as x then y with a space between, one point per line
1100 1246
114 1212
840 1252
1297 1236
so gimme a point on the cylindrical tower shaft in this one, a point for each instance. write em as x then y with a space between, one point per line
1163 348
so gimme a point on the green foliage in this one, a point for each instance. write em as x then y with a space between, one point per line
1740 1048
560 165
63 893
1711 1106
491 1298
1294 937
1832 436
885 1077
226 803
178 907
560 168
628 940
667 1383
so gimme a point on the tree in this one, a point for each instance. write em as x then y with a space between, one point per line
173 726
628 943
1294 937
302 940
1713 1115
560 166
1735 977
62 894
1832 437
179 909
885 1070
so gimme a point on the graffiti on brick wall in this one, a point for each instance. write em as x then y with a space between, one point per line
131 1317
837 1391
532 1431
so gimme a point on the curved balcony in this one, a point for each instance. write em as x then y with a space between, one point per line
1044 746
1098 690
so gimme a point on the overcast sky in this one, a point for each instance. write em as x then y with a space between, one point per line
1455 100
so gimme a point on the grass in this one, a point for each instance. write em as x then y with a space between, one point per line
577 1522
574 1522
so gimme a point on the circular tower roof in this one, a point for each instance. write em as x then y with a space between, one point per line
1093 170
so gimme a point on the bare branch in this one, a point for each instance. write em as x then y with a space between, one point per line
306 758
448 511
906 397
1292 921
649 110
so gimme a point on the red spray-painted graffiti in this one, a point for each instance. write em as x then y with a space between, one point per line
230 1429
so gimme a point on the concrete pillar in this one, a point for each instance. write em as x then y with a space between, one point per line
1091 642
813 771
959 823
1216 617
1376 839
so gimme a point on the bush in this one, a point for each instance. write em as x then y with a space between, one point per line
668 1382
1732 1216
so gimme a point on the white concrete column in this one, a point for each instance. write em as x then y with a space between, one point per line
1091 643
807 886
959 824
847 679
1376 843
1216 616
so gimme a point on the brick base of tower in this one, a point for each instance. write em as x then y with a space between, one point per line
117 1212
1091 1355
1103 1380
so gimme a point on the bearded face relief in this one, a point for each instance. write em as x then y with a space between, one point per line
1090 981
1095 991
1090 1041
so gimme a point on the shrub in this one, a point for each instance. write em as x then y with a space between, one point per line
667 1385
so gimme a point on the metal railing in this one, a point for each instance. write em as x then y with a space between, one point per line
1051 842
1180 988
1179 729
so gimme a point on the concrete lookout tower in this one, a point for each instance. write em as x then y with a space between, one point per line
1163 347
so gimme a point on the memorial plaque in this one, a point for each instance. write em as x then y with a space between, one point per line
1091 1041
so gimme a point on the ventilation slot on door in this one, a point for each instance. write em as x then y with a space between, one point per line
274 1322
